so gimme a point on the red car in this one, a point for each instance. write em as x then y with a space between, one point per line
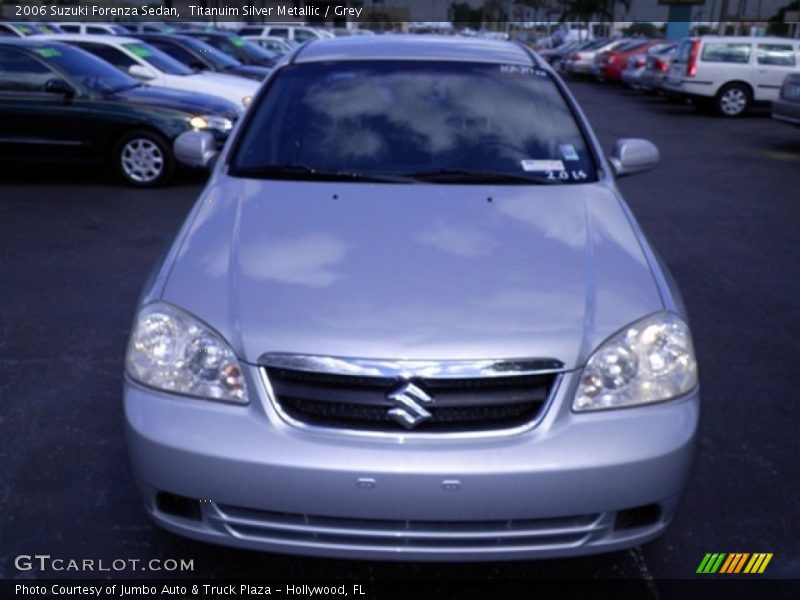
610 65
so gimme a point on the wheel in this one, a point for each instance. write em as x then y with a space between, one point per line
733 100
144 159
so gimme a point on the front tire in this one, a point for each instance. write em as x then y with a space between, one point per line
143 159
733 100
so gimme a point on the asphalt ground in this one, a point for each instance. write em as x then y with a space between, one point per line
723 209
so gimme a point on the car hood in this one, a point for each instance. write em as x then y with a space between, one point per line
412 271
190 102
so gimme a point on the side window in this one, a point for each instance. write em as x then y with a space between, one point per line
96 30
111 55
279 32
781 55
250 31
6 31
22 73
68 28
726 52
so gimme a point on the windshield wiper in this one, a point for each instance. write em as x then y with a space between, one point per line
470 176
306 173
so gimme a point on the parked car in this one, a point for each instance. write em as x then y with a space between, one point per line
271 44
19 29
94 28
151 27
237 47
200 56
59 104
580 62
149 64
730 74
614 62
657 68
787 107
296 33
429 328
634 72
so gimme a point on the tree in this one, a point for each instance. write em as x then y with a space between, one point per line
586 11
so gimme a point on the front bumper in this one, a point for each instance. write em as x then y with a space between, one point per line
554 490
786 111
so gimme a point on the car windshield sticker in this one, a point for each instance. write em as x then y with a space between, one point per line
568 152
237 41
522 70
48 52
24 28
542 166
138 50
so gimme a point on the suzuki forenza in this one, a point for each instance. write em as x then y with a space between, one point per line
411 317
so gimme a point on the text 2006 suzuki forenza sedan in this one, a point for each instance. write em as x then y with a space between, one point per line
411 317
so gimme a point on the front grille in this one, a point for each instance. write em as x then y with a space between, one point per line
325 531
459 405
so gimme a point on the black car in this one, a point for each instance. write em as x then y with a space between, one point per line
201 56
60 103
245 52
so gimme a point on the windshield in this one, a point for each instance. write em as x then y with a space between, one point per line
217 59
415 119
160 60
85 69
235 46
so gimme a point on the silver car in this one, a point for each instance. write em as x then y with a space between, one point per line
412 318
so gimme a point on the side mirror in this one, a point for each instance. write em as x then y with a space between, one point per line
141 72
59 86
631 156
196 149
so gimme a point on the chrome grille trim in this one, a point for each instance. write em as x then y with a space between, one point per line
404 435
407 369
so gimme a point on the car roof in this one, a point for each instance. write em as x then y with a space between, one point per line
414 47
113 40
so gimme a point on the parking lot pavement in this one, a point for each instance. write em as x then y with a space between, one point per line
722 209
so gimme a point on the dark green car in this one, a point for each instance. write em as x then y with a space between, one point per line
61 104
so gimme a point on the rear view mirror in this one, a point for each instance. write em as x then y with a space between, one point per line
196 149
141 72
59 86
632 155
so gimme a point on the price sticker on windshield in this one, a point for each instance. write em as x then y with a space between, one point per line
541 166
47 52
138 50
522 70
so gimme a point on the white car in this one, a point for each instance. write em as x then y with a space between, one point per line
294 33
732 73
150 65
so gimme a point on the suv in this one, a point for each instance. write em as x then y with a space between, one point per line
411 317
729 74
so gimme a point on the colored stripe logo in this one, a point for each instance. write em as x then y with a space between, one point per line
734 563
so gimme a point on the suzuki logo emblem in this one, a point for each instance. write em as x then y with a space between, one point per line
410 401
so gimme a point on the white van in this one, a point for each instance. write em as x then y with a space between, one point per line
732 73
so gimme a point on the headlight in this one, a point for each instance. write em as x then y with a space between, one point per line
649 361
247 100
211 122
172 351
